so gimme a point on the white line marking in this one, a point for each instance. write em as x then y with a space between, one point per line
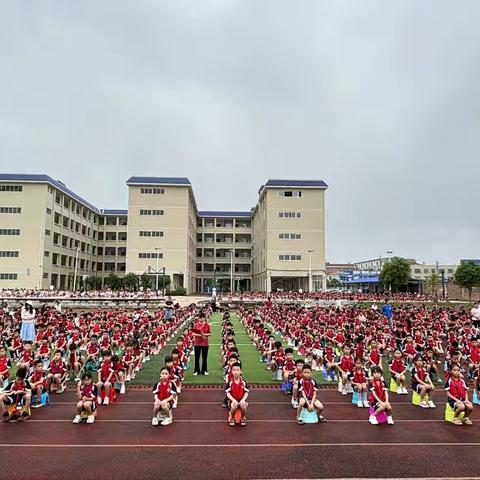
244 445
225 421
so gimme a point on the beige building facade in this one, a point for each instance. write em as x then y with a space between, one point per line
50 237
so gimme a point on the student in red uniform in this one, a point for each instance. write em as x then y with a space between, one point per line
18 392
398 369
422 383
164 393
359 383
296 379
5 365
74 361
87 394
307 391
38 382
237 393
378 398
345 366
105 376
457 393
289 366
58 374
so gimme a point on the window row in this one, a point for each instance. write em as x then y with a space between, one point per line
112 236
73 206
8 254
9 231
150 255
69 261
290 193
151 212
290 236
68 242
289 214
71 224
8 276
11 188
153 233
289 257
152 191
10 210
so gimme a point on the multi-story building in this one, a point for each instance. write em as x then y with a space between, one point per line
50 237
422 271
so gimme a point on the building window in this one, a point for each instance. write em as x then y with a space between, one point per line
47 232
290 193
151 212
152 191
10 210
290 257
46 254
289 214
49 211
154 233
9 231
8 276
290 236
11 188
150 255
8 254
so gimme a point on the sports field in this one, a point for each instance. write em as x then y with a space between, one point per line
200 444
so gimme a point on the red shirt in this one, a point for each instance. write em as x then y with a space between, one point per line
457 388
237 390
308 386
201 327
346 363
164 390
397 365
379 388
359 376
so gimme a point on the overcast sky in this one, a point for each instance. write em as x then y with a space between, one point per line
379 99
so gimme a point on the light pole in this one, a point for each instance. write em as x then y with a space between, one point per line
310 283
157 250
231 271
75 270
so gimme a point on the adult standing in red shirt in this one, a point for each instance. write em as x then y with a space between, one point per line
201 331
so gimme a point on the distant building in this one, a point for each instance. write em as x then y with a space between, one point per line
334 270
421 271
469 260
376 264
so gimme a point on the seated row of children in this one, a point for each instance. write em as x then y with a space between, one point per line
236 388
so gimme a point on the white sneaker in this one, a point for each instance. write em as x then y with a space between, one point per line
431 404
359 404
99 400
294 404
106 401
195 374
405 391
390 420
175 402
167 421
328 378
137 369
122 389
206 373
154 421
373 420
366 404
344 392
90 419
77 419
424 404
128 378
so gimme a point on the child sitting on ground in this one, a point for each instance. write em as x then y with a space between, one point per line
296 379
164 394
5 365
58 373
307 391
38 382
345 366
87 393
359 383
237 393
105 376
289 366
398 369
378 398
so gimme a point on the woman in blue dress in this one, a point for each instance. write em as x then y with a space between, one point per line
27 330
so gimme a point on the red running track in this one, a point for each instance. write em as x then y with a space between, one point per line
200 445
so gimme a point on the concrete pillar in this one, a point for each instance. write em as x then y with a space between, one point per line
269 282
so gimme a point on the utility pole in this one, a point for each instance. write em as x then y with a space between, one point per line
310 283
75 271
164 286
443 285
231 271
157 250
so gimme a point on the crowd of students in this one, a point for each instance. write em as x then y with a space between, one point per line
360 349
102 350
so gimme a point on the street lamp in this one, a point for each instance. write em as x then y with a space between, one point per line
75 270
157 250
310 283
231 270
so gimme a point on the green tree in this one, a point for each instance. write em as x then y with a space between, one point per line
131 281
467 276
93 283
114 282
433 282
334 283
145 281
395 272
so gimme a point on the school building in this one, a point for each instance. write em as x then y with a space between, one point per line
50 237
